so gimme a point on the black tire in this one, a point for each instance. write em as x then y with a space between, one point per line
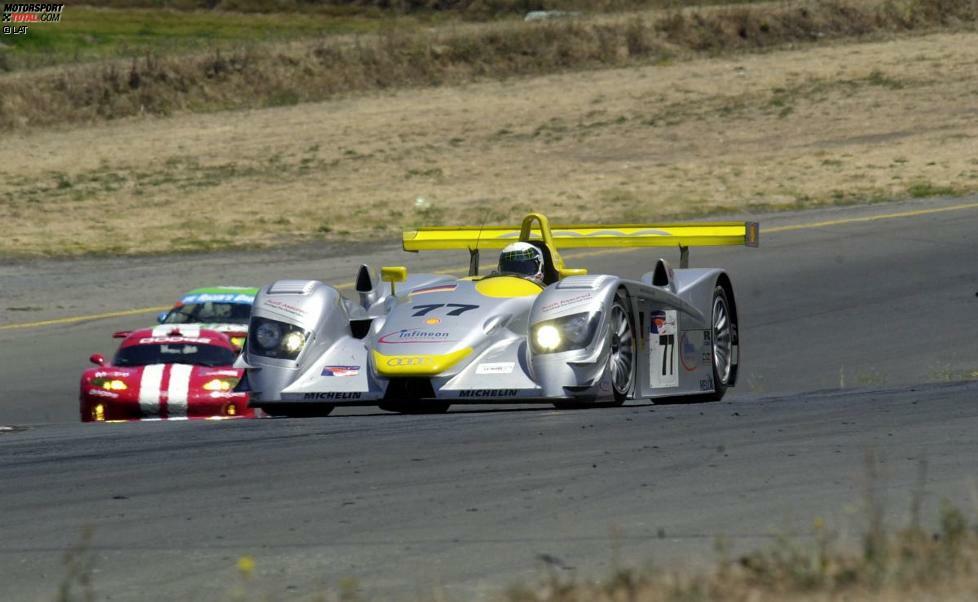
724 333
621 357
298 410
417 407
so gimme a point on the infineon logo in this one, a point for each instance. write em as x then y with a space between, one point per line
414 335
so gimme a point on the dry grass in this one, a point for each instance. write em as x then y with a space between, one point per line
910 564
469 8
274 75
824 125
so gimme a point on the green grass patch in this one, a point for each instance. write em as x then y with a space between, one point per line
87 33
923 189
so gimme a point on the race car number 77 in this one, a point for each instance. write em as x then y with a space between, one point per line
460 308
663 360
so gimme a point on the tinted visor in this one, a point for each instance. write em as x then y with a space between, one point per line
520 262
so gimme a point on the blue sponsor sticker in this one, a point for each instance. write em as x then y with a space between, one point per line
341 370
218 298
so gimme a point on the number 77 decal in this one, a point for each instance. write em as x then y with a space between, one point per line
663 359
425 309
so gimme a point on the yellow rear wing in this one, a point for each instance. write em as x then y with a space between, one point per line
473 238
704 234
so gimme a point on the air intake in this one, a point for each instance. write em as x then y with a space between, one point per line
409 389
581 282
292 287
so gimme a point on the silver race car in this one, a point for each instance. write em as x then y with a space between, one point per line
533 331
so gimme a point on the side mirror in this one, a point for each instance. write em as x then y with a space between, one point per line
393 274
161 316
97 359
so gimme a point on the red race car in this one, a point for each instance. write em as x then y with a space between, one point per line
167 372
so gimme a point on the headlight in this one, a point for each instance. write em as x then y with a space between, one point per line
293 341
563 334
109 384
547 337
220 384
576 330
269 334
275 339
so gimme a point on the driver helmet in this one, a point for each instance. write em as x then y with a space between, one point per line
522 259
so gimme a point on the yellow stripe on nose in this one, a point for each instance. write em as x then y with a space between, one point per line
417 365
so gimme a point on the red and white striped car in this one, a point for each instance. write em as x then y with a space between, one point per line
167 372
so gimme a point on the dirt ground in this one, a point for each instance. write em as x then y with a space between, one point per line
843 123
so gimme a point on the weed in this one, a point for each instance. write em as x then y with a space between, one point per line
922 188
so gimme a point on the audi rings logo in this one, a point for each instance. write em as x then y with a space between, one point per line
408 361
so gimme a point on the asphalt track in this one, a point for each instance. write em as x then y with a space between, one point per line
859 335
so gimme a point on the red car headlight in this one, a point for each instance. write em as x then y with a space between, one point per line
109 384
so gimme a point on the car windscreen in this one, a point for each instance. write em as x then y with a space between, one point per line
209 313
174 353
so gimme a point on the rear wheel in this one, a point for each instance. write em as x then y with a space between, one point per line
723 341
298 410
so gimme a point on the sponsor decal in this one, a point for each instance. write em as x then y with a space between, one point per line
169 340
103 393
688 354
285 307
489 393
663 322
33 13
706 384
331 396
441 288
566 302
110 374
495 368
432 321
663 359
415 335
409 360
341 370
218 298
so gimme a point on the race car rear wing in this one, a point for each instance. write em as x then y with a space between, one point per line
682 235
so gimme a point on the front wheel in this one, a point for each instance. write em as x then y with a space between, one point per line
621 356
